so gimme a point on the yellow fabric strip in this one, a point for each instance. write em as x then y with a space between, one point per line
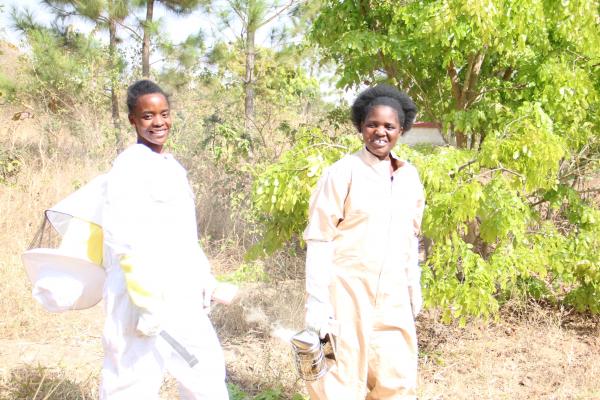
138 285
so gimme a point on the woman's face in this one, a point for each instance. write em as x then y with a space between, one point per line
152 120
381 130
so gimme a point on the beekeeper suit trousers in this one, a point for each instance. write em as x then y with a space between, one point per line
370 220
377 343
156 274
134 365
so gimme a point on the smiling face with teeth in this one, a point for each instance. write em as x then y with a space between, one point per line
381 130
151 118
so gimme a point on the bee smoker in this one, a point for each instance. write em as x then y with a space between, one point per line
311 352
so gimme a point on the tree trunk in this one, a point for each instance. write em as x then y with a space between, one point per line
249 80
114 96
465 94
146 39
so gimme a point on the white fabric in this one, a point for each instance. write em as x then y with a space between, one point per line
62 282
57 291
224 293
70 277
318 316
149 216
319 261
416 299
413 274
207 293
371 215
85 203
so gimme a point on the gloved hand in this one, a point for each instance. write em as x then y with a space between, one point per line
318 316
416 299
413 277
207 291
148 324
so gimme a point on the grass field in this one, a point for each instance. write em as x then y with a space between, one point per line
530 352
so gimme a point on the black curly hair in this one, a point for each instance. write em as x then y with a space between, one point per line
141 88
384 95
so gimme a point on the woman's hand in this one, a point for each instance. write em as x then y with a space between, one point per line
319 316
416 299
207 292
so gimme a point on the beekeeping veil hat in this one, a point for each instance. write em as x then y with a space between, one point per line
70 276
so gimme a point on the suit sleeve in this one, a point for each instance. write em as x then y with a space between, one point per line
132 234
413 269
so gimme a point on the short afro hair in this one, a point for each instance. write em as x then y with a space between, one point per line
141 88
384 95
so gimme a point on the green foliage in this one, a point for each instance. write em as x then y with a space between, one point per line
462 59
10 165
63 68
279 76
516 87
227 144
489 237
8 88
527 147
270 394
281 190
236 393
246 272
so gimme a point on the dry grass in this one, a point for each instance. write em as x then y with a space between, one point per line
21 207
541 355
42 383
532 352
547 355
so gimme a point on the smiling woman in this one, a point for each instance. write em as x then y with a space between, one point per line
362 271
158 279
149 114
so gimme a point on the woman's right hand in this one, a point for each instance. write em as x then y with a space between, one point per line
319 316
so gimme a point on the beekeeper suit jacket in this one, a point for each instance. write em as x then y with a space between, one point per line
156 273
371 219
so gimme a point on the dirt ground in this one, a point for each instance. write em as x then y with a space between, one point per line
540 354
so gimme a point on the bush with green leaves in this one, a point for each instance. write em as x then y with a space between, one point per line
516 88
499 218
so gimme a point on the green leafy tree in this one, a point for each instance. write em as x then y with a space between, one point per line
283 87
516 88
62 68
106 14
251 15
461 58
180 7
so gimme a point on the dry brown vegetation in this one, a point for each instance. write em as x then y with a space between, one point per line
530 352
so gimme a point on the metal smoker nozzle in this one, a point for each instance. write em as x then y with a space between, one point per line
305 340
309 356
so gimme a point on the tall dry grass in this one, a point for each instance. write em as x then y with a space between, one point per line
42 180
58 356
530 353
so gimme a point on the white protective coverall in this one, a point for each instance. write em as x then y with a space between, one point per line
371 219
156 275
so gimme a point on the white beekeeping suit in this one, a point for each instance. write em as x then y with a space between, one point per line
362 271
156 278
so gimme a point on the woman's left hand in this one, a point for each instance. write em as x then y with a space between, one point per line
207 292
416 299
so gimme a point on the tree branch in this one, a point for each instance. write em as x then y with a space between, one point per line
454 81
507 73
238 12
470 162
474 78
137 35
272 17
